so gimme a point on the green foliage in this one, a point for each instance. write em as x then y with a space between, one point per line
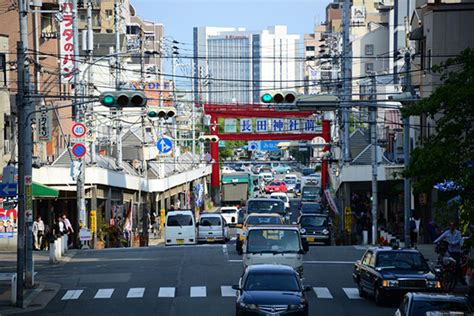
446 153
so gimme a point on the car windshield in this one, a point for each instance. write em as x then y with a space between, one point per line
180 220
401 261
273 241
290 181
228 210
280 197
422 308
310 207
210 221
275 183
271 282
263 220
311 191
273 206
313 221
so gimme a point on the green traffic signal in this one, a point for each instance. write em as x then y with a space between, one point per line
107 100
152 114
267 98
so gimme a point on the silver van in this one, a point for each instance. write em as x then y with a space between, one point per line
278 244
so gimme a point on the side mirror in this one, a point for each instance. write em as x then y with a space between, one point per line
236 287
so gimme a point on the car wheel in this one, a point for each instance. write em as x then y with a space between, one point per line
379 299
362 293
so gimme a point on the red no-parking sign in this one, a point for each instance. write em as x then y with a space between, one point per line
79 150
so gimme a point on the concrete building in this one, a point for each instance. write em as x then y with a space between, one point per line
312 69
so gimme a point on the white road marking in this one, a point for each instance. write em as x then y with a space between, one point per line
104 293
234 260
227 291
136 292
167 292
352 293
72 295
361 247
322 292
198 291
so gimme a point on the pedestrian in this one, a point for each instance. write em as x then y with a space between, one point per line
2 226
127 230
48 238
38 233
454 239
58 228
68 228
413 232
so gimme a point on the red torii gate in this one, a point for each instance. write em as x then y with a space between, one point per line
258 111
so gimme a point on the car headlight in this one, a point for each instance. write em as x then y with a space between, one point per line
390 283
302 231
295 306
325 231
433 284
248 306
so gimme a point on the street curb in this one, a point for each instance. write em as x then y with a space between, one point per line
36 300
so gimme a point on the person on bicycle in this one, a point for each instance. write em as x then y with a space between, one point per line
454 239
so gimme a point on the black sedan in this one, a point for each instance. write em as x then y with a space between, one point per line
421 304
266 289
383 272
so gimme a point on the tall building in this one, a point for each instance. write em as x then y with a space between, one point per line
312 64
238 66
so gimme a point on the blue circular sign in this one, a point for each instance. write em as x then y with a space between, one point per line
79 150
164 145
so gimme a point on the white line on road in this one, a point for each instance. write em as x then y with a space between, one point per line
235 260
227 291
72 295
198 291
167 292
352 293
104 293
136 292
322 292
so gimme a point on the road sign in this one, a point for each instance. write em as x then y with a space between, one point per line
28 199
269 145
85 234
79 130
207 157
164 145
79 150
253 145
8 189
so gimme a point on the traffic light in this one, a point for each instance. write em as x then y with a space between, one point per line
157 112
123 99
208 139
287 97
321 102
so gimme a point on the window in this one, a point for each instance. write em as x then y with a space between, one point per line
271 282
210 221
367 258
108 14
82 17
180 220
369 67
369 50
3 70
310 48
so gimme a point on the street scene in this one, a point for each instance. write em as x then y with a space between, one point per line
197 157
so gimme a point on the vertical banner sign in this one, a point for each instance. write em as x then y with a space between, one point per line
43 124
348 219
66 42
230 125
93 221
28 199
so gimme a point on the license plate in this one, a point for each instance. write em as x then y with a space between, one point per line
210 238
310 238
180 241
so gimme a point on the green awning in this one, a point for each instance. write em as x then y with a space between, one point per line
40 190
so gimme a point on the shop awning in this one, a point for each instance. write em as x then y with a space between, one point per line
40 190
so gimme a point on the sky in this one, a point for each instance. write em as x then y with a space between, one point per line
180 16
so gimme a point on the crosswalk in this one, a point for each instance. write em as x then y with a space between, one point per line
193 292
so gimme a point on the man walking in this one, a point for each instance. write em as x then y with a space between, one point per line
454 239
68 228
38 233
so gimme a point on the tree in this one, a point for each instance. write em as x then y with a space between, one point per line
447 156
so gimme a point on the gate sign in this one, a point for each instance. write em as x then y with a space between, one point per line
79 130
79 150
164 145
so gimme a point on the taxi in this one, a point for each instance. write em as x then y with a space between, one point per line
253 220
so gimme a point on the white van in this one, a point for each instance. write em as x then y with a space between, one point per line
180 228
212 227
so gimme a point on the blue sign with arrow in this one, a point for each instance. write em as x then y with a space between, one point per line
8 189
164 145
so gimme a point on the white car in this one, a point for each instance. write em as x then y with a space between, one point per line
212 227
226 169
180 228
230 214
282 196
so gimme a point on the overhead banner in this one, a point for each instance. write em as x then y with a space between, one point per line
66 44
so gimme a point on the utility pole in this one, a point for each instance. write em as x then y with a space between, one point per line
346 79
25 146
118 118
406 154
373 143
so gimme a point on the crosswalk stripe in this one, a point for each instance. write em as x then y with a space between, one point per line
227 291
167 292
72 295
322 292
136 292
198 291
104 293
352 293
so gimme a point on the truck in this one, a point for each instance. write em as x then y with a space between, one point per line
236 187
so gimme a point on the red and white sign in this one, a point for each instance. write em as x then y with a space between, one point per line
78 130
79 150
66 33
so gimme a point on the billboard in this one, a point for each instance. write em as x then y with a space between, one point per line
154 92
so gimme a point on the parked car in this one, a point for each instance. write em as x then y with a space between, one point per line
275 186
315 228
230 214
180 228
415 304
212 227
256 219
270 290
383 272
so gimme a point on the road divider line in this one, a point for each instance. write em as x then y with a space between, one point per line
167 292
136 292
234 260
104 293
72 295
322 292
227 291
352 293
198 291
